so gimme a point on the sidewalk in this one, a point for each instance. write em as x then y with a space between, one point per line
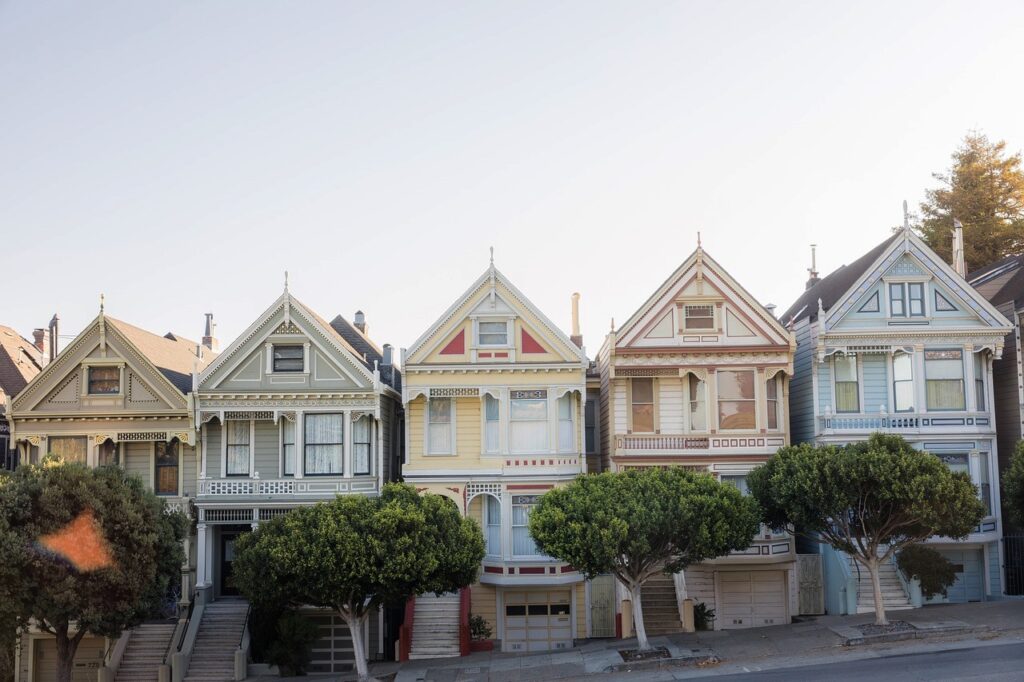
803 643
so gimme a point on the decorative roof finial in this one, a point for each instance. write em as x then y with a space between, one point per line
698 239
613 324
286 281
492 256
101 304
906 217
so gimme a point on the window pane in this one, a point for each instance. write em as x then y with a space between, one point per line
238 433
440 410
522 541
984 484
904 396
847 397
490 408
979 381
492 513
643 418
323 444
362 445
699 316
736 385
566 423
493 333
288 358
643 391
238 448
440 439
68 449
736 414
104 380
916 291
166 454
846 367
957 461
698 409
738 482
773 414
896 303
529 410
109 453
166 475
288 446
945 394
902 367
528 436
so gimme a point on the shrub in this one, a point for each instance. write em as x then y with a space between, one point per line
479 628
935 571
292 648
702 616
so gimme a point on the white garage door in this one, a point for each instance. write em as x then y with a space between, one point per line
750 599
969 585
88 659
537 621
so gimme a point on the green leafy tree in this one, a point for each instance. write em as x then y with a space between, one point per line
357 553
868 499
984 190
934 571
642 522
101 584
1013 486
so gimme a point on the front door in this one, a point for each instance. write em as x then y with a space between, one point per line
227 558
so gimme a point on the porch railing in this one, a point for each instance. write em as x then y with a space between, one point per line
904 421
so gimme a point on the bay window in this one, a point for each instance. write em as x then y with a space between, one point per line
165 476
288 447
566 424
492 424
944 379
642 405
68 448
698 404
522 541
847 383
439 426
362 445
736 403
903 382
324 444
492 525
237 434
979 382
528 421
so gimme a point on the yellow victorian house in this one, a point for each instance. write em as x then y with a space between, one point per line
494 394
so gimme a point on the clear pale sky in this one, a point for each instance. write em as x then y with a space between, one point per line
179 156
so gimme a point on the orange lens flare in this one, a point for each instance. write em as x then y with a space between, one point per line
81 542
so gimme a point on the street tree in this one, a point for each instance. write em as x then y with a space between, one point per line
869 499
356 553
984 190
84 551
641 522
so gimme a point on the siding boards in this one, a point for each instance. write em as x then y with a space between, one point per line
137 461
213 436
876 383
801 388
620 407
700 585
670 405
188 463
267 449
825 395
414 426
467 426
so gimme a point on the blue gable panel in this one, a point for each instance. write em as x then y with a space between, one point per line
825 397
876 383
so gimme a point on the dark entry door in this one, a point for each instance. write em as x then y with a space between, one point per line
227 558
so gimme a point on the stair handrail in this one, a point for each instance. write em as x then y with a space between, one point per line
181 658
184 629
242 652
245 625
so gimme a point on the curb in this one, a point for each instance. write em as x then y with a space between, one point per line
851 636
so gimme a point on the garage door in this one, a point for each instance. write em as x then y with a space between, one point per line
332 650
88 659
750 599
537 621
969 585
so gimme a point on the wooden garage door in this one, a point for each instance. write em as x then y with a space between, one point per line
332 651
750 599
969 585
538 620
88 660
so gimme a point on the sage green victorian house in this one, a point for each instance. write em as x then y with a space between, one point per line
117 395
295 411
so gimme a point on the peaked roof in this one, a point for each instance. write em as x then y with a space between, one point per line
832 287
366 348
1012 289
173 355
519 296
19 361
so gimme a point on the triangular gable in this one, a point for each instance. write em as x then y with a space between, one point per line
700 277
493 294
332 362
910 256
59 387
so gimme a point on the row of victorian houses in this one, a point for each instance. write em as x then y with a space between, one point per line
494 405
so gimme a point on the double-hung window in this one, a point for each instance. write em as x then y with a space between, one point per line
522 541
847 383
493 333
903 382
362 445
439 426
772 397
915 298
528 421
492 525
69 448
566 424
492 421
897 300
642 399
324 444
288 446
288 358
238 451
979 382
944 378
906 299
736 404
698 404
698 317
165 476
104 380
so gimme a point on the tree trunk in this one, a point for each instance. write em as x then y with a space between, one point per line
876 585
355 628
638 618
66 648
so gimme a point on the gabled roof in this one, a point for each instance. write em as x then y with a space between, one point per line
19 361
832 287
480 282
365 346
173 355
1012 289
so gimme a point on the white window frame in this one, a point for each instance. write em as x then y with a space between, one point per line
702 397
486 424
545 449
281 444
225 444
713 329
572 421
860 384
180 466
776 381
489 523
427 446
371 450
894 381
346 435
754 400
963 379
510 341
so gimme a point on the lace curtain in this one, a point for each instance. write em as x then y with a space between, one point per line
362 444
566 423
288 446
238 447
323 443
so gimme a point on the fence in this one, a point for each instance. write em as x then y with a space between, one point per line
1013 558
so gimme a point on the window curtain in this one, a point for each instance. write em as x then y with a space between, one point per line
323 445
238 448
522 541
439 415
288 446
772 396
491 424
979 382
944 372
903 382
69 449
493 524
847 392
642 397
736 406
566 424
166 474
698 405
528 427
362 444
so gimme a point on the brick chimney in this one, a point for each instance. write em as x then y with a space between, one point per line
209 340
360 322
576 337
41 340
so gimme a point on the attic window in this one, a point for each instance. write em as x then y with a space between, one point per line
493 333
288 359
699 316
104 380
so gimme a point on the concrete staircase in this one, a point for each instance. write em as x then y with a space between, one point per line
213 656
435 626
661 606
894 597
145 653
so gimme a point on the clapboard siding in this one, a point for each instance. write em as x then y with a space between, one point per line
267 449
620 407
801 388
212 441
467 426
700 585
670 405
876 383
138 458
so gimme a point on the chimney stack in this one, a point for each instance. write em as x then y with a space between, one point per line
813 270
360 322
576 337
209 340
958 249
389 355
41 340
54 329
